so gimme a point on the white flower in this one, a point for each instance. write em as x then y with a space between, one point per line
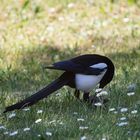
98 104
5 133
26 129
134 112
112 109
58 94
124 110
53 121
60 18
38 120
39 111
126 20
48 133
83 127
98 90
26 109
80 119
75 113
13 133
83 138
123 118
71 5
103 138
102 93
52 10
131 93
2 127
93 46
61 123
115 112
122 123
12 115
39 135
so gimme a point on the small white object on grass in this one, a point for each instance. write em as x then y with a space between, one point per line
123 118
13 133
5 133
48 133
39 111
26 129
102 93
71 5
134 112
2 127
12 115
111 109
83 127
80 119
124 110
98 90
131 93
38 120
83 138
26 109
122 123
98 104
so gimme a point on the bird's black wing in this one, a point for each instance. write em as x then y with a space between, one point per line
70 66
55 85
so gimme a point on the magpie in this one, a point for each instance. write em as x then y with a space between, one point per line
83 73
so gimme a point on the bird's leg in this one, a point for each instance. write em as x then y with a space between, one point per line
86 96
77 94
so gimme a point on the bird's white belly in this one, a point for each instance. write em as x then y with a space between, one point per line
86 83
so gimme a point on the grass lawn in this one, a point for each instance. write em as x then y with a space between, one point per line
36 33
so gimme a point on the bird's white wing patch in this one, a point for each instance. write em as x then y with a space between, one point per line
87 82
99 65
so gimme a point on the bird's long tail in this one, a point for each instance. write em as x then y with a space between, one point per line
55 85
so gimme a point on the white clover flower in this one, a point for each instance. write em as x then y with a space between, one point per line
26 129
134 112
12 115
98 90
61 18
39 111
71 5
61 123
83 127
98 104
115 112
124 110
52 10
131 93
112 109
5 133
38 120
26 109
122 124
80 119
126 20
75 113
93 46
58 94
13 133
53 121
102 93
123 118
2 127
83 138
48 133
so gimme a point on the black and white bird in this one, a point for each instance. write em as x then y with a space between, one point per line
83 73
